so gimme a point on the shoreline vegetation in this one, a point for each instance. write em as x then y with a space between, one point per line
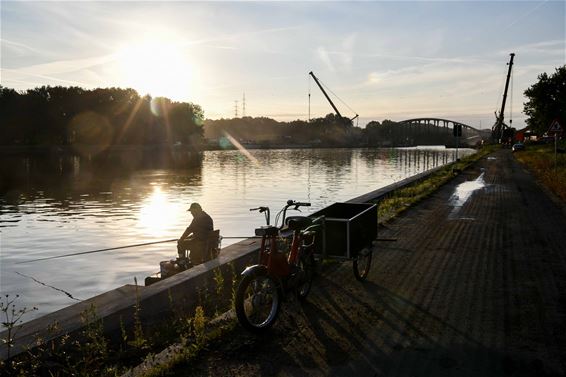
92 122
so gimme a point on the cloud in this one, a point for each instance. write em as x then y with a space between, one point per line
64 66
19 48
325 58
344 58
54 71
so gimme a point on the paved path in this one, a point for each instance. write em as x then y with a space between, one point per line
474 286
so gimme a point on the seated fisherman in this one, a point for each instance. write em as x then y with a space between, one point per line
195 236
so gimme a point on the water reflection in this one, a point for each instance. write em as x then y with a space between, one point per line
157 213
57 206
463 192
71 185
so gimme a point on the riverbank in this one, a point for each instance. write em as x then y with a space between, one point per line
467 289
133 297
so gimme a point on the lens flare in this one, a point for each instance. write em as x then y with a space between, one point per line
241 148
90 133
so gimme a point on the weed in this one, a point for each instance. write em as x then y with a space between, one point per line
199 323
139 340
219 281
92 348
235 282
12 320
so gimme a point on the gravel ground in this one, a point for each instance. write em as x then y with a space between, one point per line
474 286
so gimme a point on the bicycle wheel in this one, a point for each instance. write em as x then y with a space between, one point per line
307 265
257 302
362 263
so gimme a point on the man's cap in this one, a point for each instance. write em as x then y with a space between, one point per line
194 206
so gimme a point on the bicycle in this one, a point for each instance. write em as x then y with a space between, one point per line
265 285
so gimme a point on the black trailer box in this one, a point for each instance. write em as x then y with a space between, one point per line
348 228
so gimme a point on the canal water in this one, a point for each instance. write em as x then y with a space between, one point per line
54 207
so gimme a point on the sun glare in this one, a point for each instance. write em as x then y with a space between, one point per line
159 67
158 214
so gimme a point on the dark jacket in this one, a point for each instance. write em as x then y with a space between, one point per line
200 226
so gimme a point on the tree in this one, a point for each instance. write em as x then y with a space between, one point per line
104 116
547 99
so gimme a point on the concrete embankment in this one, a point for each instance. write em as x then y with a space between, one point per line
182 292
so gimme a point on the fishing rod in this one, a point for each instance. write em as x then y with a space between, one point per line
96 251
245 237
113 248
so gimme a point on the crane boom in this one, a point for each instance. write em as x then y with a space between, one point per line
502 112
326 95
498 127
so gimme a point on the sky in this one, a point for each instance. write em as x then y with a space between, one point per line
382 60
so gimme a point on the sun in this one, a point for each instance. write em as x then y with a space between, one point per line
156 66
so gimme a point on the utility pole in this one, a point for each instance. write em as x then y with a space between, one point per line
309 106
235 108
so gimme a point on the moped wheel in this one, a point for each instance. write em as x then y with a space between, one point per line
307 265
257 302
362 264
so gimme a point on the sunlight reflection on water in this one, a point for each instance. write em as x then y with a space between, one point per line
48 212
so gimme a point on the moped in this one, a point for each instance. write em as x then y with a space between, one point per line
280 269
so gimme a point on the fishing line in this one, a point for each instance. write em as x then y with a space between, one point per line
96 251
49 286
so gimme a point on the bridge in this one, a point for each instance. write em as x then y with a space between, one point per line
441 131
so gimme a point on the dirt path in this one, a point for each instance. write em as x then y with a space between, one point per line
474 286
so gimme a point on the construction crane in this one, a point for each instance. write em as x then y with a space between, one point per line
329 100
498 128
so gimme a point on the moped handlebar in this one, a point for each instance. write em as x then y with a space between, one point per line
302 204
291 203
262 210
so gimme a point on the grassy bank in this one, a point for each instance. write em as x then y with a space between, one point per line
550 172
400 200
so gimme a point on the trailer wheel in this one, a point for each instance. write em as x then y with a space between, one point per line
362 263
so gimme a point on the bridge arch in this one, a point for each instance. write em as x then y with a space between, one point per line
470 135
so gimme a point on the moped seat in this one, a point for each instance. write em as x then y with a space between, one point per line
298 222
266 231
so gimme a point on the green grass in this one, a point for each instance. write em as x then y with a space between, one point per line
540 160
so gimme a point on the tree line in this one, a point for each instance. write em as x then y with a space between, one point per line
329 131
112 116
